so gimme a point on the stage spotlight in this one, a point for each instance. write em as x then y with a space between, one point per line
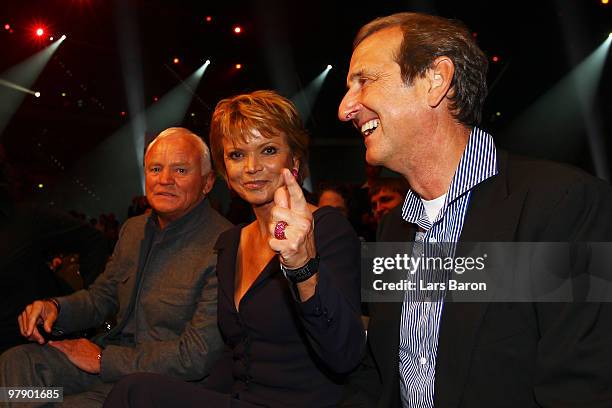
604 1
569 111
125 149
21 77
50 38
238 66
37 94
40 31
40 185
495 58
207 62
305 99
176 60
237 29
208 19
7 26
329 67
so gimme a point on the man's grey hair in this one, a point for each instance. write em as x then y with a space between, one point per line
174 131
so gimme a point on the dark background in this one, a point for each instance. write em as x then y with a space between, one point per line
283 46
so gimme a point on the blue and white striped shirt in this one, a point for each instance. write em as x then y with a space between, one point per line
420 319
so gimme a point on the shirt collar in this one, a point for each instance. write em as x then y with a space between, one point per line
191 218
478 163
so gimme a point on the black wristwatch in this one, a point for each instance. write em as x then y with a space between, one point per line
305 272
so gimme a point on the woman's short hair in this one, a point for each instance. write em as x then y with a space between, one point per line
264 111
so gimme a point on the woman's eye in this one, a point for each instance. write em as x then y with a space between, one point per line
234 155
154 169
270 150
181 170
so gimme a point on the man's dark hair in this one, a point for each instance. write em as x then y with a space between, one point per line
428 37
396 184
340 188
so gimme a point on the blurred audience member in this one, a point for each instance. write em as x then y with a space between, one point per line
372 174
385 194
29 237
334 195
139 206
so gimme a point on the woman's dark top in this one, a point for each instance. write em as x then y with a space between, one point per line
280 352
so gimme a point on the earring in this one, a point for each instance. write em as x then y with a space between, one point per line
295 173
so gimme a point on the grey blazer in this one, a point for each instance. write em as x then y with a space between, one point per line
162 287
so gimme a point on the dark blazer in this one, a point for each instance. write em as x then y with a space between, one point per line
509 354
281 352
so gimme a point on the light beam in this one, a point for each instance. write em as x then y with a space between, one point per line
18 80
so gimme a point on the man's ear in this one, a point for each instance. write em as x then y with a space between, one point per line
440 77
209 182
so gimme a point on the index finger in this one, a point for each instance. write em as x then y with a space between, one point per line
281 197
32 315
36 336
296 195
22 327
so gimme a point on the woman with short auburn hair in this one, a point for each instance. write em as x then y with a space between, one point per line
289 282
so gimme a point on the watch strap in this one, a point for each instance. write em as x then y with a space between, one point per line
303 273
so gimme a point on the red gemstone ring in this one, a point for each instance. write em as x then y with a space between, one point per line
279 230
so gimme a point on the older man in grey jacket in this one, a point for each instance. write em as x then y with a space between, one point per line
160 283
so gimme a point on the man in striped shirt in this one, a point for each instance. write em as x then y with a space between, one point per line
416 86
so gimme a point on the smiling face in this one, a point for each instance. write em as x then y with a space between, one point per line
253 165
174 181
389 113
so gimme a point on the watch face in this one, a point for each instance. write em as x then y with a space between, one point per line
303 273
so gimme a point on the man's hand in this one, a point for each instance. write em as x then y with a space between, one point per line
41 311
81 352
